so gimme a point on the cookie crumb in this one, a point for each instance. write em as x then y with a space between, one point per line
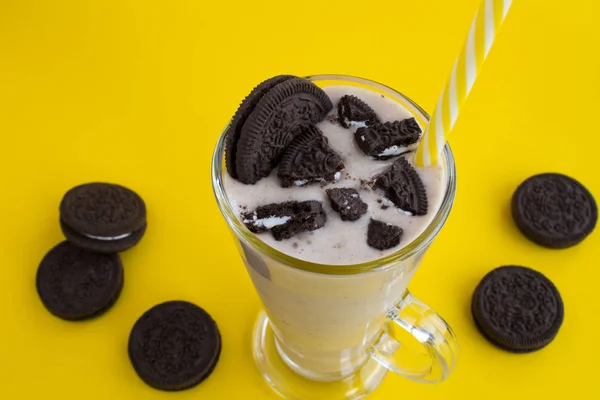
332 119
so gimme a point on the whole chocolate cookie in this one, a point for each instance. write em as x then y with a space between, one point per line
243 112
272 125
554 210
103 217
517 309
74 284
174 346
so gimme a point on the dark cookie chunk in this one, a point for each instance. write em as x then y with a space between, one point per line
353 111
103 217
284 220
273 123
402 185
243 112
389 139
309 159
554 210
174 346
264 218
517 309
74 284
304 223
347 202
383 236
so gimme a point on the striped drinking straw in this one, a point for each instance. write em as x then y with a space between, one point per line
485 26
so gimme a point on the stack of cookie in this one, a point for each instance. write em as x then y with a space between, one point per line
82 277
173 346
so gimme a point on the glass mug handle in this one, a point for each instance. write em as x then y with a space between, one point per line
438 359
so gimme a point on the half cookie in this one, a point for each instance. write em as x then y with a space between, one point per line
271 126
402 185
242 114
103 217
309 159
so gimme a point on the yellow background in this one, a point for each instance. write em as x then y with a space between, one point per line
136 92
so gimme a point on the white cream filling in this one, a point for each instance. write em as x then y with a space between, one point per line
269 222
302 182
387 202
358 124
108 238
397 150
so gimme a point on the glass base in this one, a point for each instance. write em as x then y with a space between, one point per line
293 386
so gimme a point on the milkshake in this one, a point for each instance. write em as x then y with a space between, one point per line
330 283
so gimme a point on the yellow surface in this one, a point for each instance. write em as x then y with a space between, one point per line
486 24
137 92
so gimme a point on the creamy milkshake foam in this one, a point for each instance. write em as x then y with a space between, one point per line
343 242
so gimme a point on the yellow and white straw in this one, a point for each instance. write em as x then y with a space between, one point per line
485 26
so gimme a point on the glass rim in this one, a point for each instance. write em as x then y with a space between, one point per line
418 244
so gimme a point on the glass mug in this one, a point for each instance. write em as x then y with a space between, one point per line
333 331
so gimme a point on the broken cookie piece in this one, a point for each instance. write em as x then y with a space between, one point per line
352 111
286 219
402 185
383 236
347 203
390 139
309 159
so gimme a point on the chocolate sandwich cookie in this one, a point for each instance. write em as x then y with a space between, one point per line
347 202
554 210
74 284
390 139
103 217
243 112
174 346
352 111
517 309
402 185
286 219
273 123
382 235
309 159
